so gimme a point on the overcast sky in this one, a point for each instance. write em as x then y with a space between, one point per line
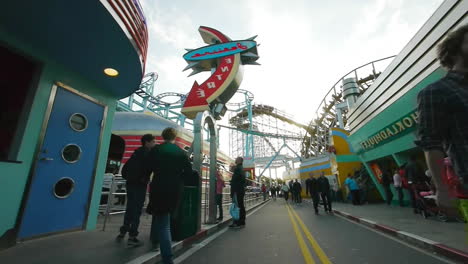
306 45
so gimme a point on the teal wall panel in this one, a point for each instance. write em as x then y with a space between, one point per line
401 107
13 177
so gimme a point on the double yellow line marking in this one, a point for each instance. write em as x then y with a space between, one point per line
293 216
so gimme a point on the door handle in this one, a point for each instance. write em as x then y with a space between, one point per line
46 159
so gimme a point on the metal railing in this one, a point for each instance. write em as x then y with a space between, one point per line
116 198
117 189
315 142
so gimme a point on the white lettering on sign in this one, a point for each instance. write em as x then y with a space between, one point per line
200 93
396 128
228 60
408 122
225 69
211 85
219 76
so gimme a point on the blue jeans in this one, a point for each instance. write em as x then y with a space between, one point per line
136 195
161 226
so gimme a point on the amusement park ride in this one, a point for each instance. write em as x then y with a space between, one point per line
266 137
334 106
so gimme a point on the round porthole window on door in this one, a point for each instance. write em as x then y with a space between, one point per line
78 122
64 188
71 153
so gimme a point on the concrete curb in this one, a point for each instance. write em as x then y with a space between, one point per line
415 240
187 243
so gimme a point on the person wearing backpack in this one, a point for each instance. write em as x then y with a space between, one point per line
136 172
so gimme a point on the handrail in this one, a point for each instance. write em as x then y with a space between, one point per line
316 125
109 207
354 70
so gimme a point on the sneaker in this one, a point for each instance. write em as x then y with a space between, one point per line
155 246
120 237
235 226
134 242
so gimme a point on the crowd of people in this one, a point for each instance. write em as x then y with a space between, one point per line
292 189
170 167
165 168
441 105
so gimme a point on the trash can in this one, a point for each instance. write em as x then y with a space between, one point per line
184 223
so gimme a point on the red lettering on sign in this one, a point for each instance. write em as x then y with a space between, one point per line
210 86
233 48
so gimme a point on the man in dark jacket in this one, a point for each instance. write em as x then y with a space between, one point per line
324 187
136 171
312 188
297 187
171 166
238 191
386 181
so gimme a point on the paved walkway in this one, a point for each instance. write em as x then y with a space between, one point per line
278 233
452 234
87 247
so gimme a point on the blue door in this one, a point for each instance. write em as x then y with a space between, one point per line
61 185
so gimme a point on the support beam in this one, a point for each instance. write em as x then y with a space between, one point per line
198 125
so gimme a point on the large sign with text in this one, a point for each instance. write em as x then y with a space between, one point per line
219 50
224 58
402 126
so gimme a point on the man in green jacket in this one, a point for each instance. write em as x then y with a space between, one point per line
171 168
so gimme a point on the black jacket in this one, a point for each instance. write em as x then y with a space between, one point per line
137 170
238 180
312 186
297 187
324 185
171 167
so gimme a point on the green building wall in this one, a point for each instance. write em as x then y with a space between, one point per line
404 105
14 176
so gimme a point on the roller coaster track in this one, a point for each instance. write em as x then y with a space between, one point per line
257 110
315 142
262 134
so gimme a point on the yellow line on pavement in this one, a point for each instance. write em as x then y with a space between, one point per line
320 253
305 250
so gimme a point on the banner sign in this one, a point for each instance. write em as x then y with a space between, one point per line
219 50
399 128
224 58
